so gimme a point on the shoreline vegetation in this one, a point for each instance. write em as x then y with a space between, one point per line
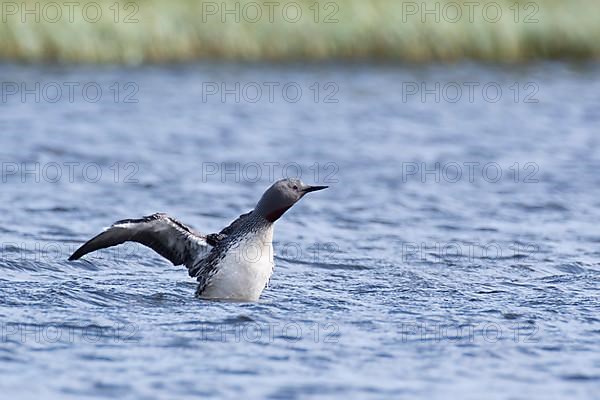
163 31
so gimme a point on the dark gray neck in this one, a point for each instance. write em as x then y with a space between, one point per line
269 211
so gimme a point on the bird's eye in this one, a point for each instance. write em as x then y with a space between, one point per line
295 187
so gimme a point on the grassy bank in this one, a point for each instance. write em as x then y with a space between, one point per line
395 30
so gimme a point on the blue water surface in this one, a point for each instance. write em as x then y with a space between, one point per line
455 255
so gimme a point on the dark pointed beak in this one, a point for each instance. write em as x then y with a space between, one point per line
314 188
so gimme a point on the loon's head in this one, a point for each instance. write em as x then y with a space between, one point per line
282 195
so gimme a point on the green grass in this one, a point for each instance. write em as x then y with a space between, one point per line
180 30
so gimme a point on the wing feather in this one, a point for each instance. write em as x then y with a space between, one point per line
163 234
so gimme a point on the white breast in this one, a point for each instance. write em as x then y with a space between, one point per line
245 270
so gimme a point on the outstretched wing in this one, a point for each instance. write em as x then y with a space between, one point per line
163 234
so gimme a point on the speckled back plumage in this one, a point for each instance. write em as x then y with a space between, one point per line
206 268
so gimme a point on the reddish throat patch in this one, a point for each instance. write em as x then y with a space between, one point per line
275 215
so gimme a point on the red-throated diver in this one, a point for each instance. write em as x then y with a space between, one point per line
219 261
